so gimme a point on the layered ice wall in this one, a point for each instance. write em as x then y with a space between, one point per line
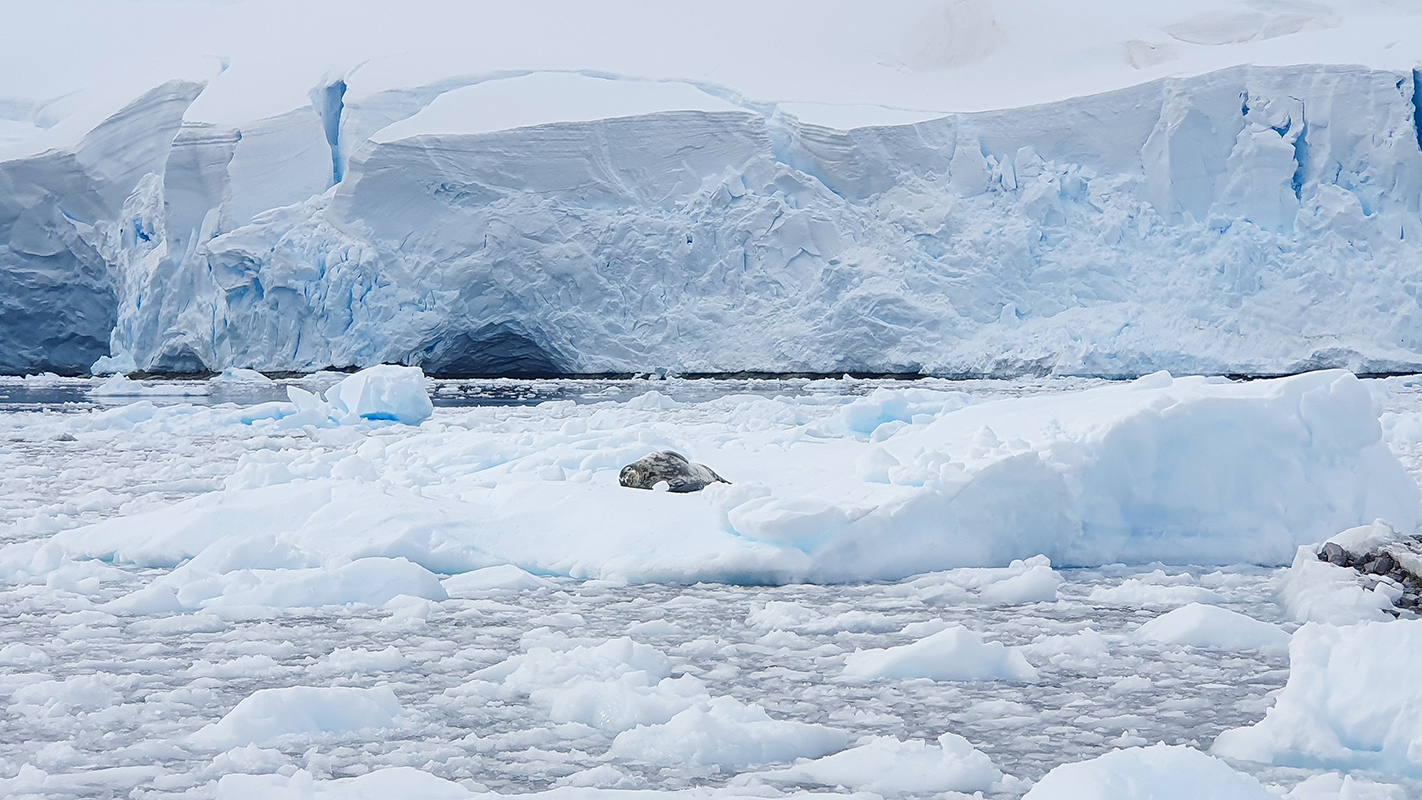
58 294
1250 220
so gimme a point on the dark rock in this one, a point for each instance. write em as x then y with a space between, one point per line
1381 564
1334 553
680 474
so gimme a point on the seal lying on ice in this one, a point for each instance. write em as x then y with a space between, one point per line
679 473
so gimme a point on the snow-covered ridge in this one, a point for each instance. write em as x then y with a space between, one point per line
1251 220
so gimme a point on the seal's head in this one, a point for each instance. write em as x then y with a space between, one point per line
644 473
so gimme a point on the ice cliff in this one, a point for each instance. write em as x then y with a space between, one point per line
1247 220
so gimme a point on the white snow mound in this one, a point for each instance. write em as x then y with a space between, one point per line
307 712
952 654
386 391
729 734
1352 702
888 766
1159 772
1200 625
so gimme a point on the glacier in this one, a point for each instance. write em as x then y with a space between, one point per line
966 188
1252 220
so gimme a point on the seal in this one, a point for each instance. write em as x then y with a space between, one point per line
674 468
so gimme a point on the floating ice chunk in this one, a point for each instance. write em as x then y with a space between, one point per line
391 783
603 776
725 732
75 693
651 627
888 766
502 578
345 661
1152 591
386 391
1200 625
1334 786
864 415
121 364
239 375
544 666
372 581
19 654
120 386
1085 650
1037 584
952 654
780 615
614 686
1352 701
1159 772
306 712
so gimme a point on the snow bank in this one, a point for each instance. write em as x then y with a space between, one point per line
1352 702
1201 625
729 734
1317 591
888 766
1187 471
306 712
952 654
1369 572
1159 772
546 98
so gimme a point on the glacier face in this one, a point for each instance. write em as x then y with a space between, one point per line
1250 220
58 300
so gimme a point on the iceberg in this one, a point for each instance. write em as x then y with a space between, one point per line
1335 712
1190 470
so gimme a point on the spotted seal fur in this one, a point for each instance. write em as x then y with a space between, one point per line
674 468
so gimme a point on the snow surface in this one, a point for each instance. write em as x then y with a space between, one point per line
966 187
890 485
507 682
546 98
